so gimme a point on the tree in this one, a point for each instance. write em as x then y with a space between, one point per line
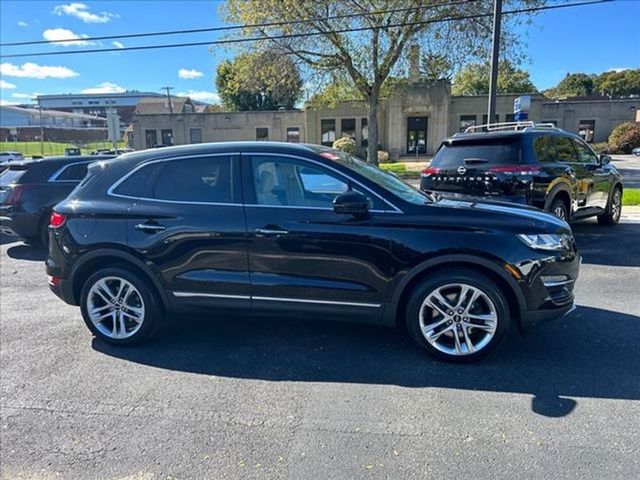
625 137
325 42
474 79
259 81
619 84
573 85
435 66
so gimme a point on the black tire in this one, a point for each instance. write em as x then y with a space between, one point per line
150 301
467 277
559 209
611 215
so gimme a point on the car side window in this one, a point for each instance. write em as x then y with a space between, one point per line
284 182
544 148
565 151
72 173
138 183
585 155
202 179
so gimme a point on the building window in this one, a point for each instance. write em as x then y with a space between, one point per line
466 121
195 135
167 136
328 131
262 134
586 129
509 117
348 127
293 134
364 133
496 118
150 138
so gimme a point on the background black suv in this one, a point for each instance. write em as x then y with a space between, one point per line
29 189
537 165
286 229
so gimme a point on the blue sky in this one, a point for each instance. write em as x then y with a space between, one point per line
587 39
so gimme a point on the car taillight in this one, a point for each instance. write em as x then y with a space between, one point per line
430 171
57 220
14 195
516 169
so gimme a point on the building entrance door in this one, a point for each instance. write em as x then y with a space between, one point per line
416 135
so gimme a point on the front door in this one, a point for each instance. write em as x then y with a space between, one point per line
416 135
597 175
303 257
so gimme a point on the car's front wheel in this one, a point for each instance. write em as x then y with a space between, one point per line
611 215
119 307
458 316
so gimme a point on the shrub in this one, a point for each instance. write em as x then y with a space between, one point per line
625 137
347 145
383 157
601 147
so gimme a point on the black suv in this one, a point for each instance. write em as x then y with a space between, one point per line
285 229
531 164
29 189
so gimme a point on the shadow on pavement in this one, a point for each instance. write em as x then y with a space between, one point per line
24 251
603 245
590 353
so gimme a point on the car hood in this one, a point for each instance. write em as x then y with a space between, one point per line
482 213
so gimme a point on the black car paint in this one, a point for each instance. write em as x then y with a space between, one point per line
295 260
586 186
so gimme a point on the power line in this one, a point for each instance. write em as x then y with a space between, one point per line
234 27
302 35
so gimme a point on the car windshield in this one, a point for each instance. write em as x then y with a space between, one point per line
386 180
500 151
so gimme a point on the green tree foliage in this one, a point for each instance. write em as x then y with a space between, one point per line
326 43
436 66
259 81
474 79
619 84
625 137
344 91
573 85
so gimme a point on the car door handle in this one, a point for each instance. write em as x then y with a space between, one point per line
149 227
268 232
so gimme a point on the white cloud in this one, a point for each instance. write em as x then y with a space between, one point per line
81 12
201 95
57 34
33 70
618 69
7 102
22 24
105 87
117 44
28 96
4 85
189 73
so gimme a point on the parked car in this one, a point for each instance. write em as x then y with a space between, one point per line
107 151
29 189
636 151
293 229
72 152
529 164
9 157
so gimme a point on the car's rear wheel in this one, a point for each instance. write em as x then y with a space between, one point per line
559 209
611 215
119 307
458 316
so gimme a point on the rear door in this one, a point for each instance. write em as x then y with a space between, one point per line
480 166
303 256
598 177
187 221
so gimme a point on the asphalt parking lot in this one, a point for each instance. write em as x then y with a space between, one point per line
213 398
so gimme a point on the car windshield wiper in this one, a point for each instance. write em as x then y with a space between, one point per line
475 160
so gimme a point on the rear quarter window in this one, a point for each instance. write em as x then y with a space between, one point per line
71 173
10 176
494 151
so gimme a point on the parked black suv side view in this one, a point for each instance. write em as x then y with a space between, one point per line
530 164
29 190
300 230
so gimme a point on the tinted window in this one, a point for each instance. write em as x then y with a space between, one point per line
294 184
206 179
328 132
137 184
502 151
544 148
585 155
72 173
564 150
10 176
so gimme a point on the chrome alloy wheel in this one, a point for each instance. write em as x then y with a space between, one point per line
616 208
560 212
458 319
115 307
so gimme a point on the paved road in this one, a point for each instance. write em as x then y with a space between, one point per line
291 399
629 165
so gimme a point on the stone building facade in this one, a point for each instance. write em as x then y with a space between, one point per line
412 121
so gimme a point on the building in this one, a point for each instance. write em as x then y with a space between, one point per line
412 121
26 124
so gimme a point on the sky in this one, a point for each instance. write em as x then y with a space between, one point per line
589 39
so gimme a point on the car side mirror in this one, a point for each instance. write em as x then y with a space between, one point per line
605 159
352 203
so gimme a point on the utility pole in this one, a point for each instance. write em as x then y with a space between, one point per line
41 129
168 90
495 60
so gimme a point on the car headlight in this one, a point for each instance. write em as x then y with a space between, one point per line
548 241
